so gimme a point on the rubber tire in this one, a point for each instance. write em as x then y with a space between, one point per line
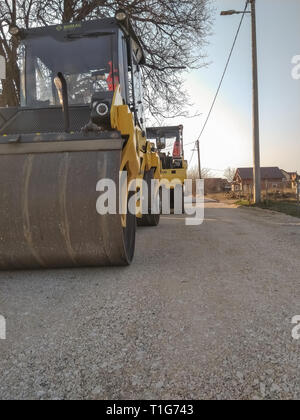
172 198
149 219
130 234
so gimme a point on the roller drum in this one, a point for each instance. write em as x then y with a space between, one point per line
48 215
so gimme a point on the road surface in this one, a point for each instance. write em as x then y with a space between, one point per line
203 312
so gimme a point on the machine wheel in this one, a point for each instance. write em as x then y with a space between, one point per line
172 201
129 234
150 219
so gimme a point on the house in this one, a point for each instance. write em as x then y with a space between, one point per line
291 179
295 178
272 179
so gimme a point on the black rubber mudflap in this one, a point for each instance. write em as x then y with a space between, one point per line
48 214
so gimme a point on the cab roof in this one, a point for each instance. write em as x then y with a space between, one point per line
167 131
60 31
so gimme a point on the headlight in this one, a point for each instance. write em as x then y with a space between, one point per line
102 109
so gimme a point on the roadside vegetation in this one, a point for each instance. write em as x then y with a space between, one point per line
287 206
285 203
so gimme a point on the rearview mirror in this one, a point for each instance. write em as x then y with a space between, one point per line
2 67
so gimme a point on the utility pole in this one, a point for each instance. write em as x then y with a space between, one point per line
298 197
256 145
199 160
256 142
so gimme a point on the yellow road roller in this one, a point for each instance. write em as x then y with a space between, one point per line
169 143
80 120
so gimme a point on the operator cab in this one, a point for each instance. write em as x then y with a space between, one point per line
169 143
93 57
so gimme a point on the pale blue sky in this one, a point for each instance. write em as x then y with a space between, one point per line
227 140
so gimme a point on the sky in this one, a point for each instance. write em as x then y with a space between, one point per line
227 139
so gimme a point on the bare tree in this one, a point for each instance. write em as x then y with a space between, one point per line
229 174
8 49
193 173
172 32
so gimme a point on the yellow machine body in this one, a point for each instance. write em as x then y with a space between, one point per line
172 177
80 121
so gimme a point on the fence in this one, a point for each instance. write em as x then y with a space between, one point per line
282 197
276 194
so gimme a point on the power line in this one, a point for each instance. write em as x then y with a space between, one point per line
221 81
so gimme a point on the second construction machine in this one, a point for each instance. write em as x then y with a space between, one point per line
80 120
173 166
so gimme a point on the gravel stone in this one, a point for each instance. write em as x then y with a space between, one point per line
203 312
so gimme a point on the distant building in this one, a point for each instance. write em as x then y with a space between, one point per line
216 185
272 179
291 179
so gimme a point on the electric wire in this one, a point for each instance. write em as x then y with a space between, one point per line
221 81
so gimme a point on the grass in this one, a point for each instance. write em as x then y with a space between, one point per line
287 207
244 202
281 206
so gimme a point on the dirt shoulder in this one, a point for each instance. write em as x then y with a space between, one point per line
221 198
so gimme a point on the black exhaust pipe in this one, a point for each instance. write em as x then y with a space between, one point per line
62 89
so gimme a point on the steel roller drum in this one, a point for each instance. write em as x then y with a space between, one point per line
48 215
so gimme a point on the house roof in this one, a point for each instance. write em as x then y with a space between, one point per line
266 173
290 176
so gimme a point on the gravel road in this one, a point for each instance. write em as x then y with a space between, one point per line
203 312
